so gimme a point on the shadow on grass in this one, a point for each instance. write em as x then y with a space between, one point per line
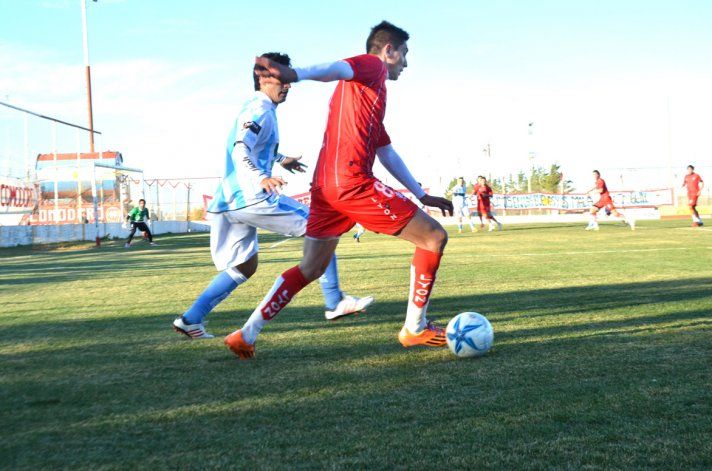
128 330
499 308
334 398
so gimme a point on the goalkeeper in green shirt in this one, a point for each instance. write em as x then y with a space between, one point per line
138 218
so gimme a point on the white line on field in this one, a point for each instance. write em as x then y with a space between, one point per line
280 242
695 228
588 252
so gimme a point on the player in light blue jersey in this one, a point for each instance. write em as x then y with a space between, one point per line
459 204
246 199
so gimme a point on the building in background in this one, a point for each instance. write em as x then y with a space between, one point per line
66 193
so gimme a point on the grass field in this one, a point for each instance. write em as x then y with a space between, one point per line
602 358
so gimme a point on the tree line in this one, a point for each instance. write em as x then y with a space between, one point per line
543 180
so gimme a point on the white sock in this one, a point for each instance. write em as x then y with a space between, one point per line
256 322
415 320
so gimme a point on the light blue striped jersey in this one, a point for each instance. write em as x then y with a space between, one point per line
256 131
458 195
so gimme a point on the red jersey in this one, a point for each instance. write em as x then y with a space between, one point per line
483 192
354 128
692 182
601 185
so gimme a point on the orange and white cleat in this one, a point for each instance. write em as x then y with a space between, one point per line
239 347
431 336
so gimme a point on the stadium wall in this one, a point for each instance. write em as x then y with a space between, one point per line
11 236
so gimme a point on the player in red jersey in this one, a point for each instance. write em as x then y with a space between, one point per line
694 184
345 192
604 202
483 192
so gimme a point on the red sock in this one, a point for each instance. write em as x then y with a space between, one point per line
422 278
287 285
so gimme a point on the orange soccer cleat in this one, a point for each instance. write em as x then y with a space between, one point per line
431 336
239 347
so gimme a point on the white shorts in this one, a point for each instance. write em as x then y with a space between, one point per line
460 210
233 234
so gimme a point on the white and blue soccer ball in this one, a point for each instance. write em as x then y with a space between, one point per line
469 334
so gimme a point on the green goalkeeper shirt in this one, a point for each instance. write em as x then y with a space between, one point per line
138 215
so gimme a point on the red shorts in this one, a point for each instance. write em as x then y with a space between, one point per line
606 202
483 208
692 200
373 204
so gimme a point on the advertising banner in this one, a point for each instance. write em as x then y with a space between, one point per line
70 213
17 196
579 202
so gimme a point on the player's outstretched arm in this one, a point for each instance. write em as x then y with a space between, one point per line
329 72
396 167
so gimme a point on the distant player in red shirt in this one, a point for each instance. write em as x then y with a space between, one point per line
345 192
694 184
483 192
604 202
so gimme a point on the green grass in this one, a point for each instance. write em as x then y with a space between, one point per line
602 358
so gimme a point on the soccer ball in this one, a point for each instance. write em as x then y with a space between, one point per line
469 334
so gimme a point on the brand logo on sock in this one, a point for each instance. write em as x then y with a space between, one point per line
422 290
274 305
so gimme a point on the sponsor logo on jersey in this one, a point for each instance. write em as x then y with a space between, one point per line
252 126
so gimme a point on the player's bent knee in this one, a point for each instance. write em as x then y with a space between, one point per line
248 268
436 239
439 239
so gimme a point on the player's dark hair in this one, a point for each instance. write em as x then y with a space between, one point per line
385 33
275 56
597 172
482 177
691 167
144 201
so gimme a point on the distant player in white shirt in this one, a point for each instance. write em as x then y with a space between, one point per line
247 199
459 204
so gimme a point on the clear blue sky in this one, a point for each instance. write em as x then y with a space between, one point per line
479 69
552 40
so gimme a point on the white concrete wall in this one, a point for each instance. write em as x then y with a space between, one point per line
11 236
